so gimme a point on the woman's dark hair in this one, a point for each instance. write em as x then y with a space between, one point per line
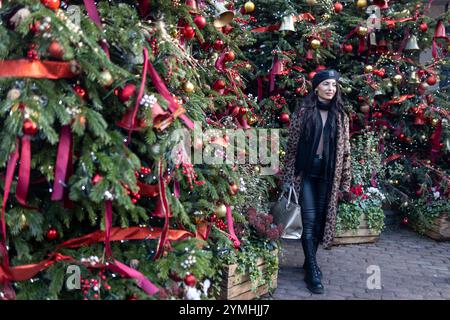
310 104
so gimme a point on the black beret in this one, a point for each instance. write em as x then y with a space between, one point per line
323 75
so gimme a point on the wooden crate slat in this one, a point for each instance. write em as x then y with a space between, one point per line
237 278
243 291
355 240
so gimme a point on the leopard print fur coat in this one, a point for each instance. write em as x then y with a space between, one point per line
342 173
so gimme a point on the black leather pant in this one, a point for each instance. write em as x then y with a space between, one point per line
313 200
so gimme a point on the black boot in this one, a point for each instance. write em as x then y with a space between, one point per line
316 245
312 278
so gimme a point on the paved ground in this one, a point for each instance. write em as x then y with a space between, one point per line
410 266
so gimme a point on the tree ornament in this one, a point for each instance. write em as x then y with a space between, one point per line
361 4
188 32
362 31
79 90
368 69
229 56
311 74
55 50
348 48
218 45
13 94
397 78
29 127
51 4
220 211
234 188
338 7
431 80
96 179
423 27
243 111
315 44
219 85
200 22
127 92
106 78
405 221
284 117
52 234
249 7
188 87
365 108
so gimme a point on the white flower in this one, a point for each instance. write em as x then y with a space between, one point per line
192 293
436 195
205 285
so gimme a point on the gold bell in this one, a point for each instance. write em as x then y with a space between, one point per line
287 24
413 78
223 15
412 44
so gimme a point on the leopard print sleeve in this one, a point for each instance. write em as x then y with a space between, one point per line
346 169
291 147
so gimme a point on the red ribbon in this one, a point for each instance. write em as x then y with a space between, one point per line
235 239
164 92
24 171
92 11
24 68
63 162
165 208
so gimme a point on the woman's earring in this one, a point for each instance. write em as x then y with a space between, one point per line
316 92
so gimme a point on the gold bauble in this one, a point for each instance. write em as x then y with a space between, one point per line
311 2
13 94
106 78
188 87
434 122
220 211
362 31
361 4
315 44
249 7
368 69
326 16
397 78
251 120
348 90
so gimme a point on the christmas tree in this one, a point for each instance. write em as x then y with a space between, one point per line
96 101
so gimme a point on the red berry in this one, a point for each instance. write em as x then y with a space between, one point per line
431 80
52 234
219 85
348 48
423 27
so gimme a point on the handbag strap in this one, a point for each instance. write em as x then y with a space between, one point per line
292 190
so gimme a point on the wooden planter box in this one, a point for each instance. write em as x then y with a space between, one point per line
362 235
236 286
440 229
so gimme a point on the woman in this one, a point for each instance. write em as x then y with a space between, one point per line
317 164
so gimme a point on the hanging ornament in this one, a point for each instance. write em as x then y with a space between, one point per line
249 7
348 48
188 87
397 78
315 44
412 45
287 24
52 234
188 32
96 179
439 32
361 4
382 4
79 90
55 50
220 211
223 15
13 94
284 117
368 68
423 27
29 127
227 29
431 80
405 221
234 188
190 280
51 4
218 45
200 22
362 31
219 85
311 74
229 56
338 7
127 92
106 78
251 120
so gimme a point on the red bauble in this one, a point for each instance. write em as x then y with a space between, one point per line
200 22
284 117
405 220
348 48
51 4
311 74
79 90
96 179
29 127
127 92
52 234
234 188
218 45
55 50
227 29
243 111
229 56
219 85
190 280
189 32
431 80
338 7
298 90
320 67
423 27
